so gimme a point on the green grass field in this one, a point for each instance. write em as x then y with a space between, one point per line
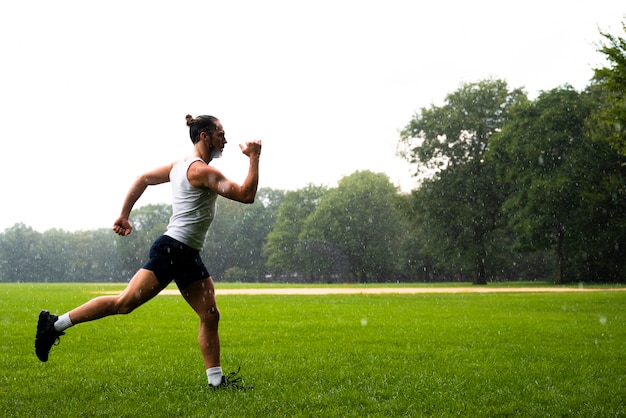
496 354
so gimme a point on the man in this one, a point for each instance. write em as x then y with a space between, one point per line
176 254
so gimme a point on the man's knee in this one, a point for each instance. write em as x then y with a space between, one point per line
211 316
123 309
124 306
214 313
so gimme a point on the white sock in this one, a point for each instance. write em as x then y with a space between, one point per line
63 323
214 374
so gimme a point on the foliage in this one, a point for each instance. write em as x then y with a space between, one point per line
495 354
19 252
452 135
463 241
237 236
149 222
56 255
563 194
286 253
457 209
610 119
356 226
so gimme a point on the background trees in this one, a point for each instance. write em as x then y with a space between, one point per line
286 251
458 206
58 256
359 227
20 255
562 184
512 188
233 247
148 222
610 119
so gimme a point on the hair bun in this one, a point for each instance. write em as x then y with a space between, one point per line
190 120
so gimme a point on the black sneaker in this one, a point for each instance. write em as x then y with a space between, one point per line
232 381
46 335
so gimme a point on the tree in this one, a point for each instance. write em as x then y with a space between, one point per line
233 248
610 119
564 194
456 218
92 257
359 222
20 255
286 253
234 244
459 203
149 222
56 249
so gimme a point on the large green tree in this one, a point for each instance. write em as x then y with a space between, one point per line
565 188
286 253
456 219
459 203
359 225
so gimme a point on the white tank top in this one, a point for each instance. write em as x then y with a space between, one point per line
193 209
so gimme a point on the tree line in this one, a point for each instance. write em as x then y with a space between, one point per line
511 188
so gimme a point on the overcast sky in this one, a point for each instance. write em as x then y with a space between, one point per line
94 93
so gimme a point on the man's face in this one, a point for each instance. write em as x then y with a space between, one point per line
217 140
218 136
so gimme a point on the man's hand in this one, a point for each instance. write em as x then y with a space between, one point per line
122 226
252 148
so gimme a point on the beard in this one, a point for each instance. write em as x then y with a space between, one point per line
216 153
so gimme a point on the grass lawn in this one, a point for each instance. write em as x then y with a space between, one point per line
486 354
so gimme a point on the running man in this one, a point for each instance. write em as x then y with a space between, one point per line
176 254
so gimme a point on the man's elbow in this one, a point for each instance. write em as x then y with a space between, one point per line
248 194
248 199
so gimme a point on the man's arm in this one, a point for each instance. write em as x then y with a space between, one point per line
122 226
207 176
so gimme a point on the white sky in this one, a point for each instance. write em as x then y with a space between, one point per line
94 93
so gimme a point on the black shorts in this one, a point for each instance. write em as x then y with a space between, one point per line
173 260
